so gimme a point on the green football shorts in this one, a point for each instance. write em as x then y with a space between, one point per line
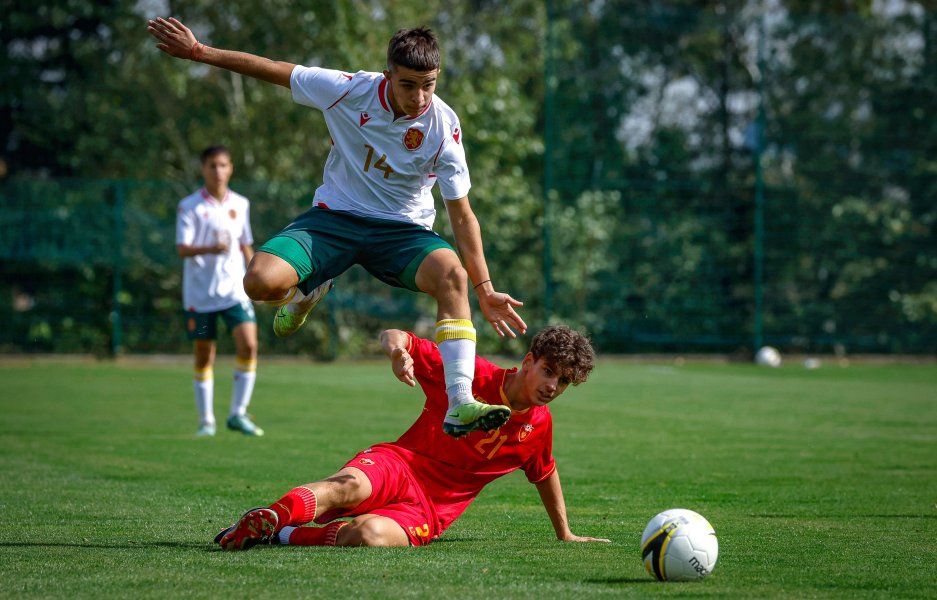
204 325
322 244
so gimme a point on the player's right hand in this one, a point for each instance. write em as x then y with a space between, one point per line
498 309
402 365
174 38
223 241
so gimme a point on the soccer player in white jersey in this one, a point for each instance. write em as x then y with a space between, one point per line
393 139
213 235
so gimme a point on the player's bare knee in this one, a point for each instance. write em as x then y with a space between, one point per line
247 350
260 287
253 285
371 533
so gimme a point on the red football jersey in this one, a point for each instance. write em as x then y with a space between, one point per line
453 471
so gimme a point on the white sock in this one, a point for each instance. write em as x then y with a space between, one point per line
297 302
456 341
245 374
292 297
203 382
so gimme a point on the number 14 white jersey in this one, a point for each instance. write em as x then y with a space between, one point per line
378 166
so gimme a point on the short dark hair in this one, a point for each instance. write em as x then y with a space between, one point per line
568 352
414 48
213 151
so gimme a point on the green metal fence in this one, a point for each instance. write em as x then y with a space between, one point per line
713 180
719 178
91 267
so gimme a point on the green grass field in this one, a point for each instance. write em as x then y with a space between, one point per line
819 484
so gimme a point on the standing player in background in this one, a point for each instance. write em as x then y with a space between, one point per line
393 139
213 235
407 493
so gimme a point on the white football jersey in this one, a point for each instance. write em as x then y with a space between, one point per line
213 282
380 166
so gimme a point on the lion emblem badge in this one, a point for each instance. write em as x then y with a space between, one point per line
413 139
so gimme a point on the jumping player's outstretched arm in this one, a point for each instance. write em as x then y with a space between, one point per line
175 39
497 307
551 494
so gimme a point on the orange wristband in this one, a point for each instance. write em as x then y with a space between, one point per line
196 52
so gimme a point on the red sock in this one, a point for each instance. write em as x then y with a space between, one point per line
316 536
298 507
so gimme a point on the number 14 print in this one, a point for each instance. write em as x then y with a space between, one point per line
381 163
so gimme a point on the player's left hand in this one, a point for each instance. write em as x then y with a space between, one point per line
498 309
175 39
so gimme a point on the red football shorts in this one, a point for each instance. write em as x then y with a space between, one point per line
395 494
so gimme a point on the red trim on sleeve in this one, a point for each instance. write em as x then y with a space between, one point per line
547 476
410 337
435 158
339 100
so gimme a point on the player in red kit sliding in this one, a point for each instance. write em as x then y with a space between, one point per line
410 491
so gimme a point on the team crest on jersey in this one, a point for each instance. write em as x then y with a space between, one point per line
365 117
365 461
524 432
233 214
413 139
457 135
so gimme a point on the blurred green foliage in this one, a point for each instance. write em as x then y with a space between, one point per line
641 119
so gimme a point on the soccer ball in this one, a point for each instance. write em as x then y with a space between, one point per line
768 356
679 545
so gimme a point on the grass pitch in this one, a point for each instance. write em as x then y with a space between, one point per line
819 483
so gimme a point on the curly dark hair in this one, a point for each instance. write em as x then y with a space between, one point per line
568 352
415 49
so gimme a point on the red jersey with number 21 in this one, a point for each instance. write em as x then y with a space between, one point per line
453 471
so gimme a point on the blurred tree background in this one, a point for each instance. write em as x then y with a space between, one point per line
669 176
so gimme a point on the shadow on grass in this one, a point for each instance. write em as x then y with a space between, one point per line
208 547
838 516
113 545
620 580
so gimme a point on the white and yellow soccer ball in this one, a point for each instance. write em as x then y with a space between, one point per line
679 545
768 356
